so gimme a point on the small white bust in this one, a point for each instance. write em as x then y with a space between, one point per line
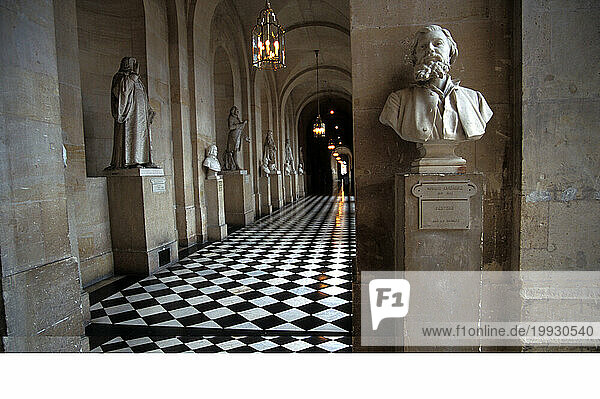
211 162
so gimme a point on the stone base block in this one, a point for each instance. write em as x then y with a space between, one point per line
439 221
265 195
289 193
301 186
217 233
239 201
142 220
215 206
295 192
276 181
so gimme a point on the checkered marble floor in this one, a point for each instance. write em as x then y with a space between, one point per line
289 273
249 344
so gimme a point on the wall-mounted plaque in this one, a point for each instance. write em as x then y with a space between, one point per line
159 185
444 205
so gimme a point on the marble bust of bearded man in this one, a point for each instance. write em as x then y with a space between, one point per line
435 108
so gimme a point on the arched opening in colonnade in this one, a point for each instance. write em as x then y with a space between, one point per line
321 172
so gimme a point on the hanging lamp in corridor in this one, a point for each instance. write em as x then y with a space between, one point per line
318 125
268 41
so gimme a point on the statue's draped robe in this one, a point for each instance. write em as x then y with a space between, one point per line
422 113
132 114
271 153
234 139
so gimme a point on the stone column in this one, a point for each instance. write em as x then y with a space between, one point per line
276 181
239 201
265 194
142 220
215 207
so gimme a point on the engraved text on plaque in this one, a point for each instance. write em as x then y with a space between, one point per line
444 205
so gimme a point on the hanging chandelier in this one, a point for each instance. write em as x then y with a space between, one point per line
331 146
318 125
268 45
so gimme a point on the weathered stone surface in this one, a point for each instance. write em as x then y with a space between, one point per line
38 299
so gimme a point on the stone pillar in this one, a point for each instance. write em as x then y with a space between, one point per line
276 181
265 194
239 201
142 220
41 306
289 195
439 227
301 186
215 208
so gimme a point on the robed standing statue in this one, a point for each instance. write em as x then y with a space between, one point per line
133 115
234 139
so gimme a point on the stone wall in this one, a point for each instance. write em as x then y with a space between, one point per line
381 34
41 283
560 203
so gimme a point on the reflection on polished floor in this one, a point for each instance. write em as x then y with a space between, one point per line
283 284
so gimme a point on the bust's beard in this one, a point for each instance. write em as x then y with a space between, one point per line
425 71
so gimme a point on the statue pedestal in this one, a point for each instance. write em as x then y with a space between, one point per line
276 190
142 220
215 206
295 191
239 203
301 186
289 195
439 227
438 157
264 183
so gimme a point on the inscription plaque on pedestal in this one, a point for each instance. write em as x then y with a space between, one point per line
444 205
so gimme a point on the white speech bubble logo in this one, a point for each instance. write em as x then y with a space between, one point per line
389 299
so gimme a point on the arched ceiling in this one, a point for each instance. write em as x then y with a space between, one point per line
310 25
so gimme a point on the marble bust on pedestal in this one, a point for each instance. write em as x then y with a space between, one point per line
436 111
211 162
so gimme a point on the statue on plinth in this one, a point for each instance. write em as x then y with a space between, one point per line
234 139
211 162
289 159
301 163
270 153
133 115
436 111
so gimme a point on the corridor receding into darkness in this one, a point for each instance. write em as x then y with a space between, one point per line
282 284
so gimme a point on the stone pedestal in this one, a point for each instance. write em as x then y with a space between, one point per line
142 220
301 186
288 191
438 157
264 183
215 208
439 221
439 227
239 201
276 181
295 192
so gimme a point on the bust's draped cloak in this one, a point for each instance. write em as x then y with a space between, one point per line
132 114
422 113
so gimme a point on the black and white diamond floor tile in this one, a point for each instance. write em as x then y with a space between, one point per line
213 344
288 272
